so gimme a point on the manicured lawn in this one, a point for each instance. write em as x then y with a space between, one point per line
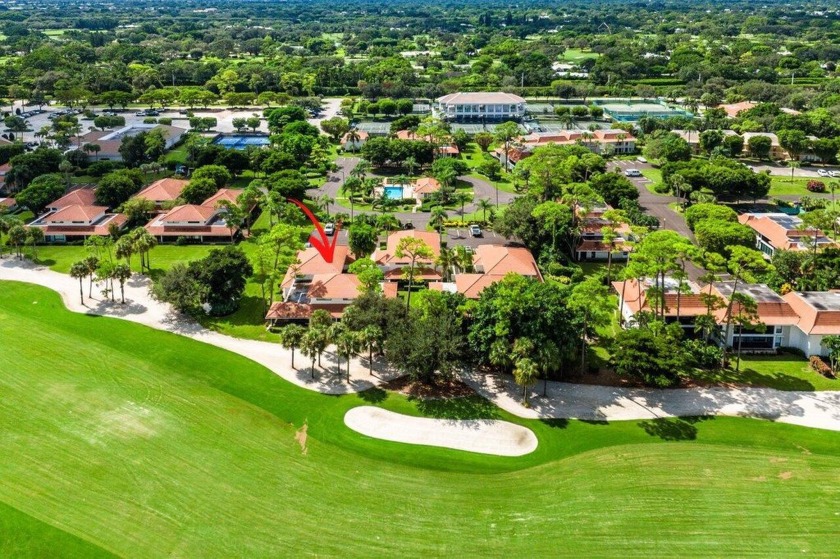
783 185
784 372
655 176
578 55
121 439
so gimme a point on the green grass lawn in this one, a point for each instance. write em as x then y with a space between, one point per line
578 55
247 322
784 372
784 185
123 440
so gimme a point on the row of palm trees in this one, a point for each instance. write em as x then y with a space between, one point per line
110 261
323 332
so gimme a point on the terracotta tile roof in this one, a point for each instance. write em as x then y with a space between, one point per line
732 109
163 190
75 213
286 310
819 311
95 221
8 202
387 257
311 263
188 213
334 286
426 185
228 194
772 309
781 231
78 197
390 290
188 220
497 260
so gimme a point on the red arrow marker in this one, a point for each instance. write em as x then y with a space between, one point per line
324 246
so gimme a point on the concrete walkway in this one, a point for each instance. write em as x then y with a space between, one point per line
485 436
141 308
563 400
607 403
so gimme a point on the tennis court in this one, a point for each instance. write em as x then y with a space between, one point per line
240 142
375 128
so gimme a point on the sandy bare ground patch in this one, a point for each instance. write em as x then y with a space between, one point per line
484 436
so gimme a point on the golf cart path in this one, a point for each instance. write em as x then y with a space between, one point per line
140 307
607 403
484 436
563 400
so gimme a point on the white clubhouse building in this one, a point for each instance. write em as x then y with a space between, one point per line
480 106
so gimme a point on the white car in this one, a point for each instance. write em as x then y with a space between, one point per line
834 174
475 230
329 229
632 173
823 173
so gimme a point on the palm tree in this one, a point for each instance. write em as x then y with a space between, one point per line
79 271
438 219
361 170
445 261
411 164
485 205
144 242
525 373
462 198
369 338
324 203
347 344
124 248
121 272
793 166
309 346
91 264
353 138
34 236
291 337
17 238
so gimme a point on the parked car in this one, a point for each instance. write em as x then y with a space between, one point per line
834 174
632 173
329 229
641 159
408 225
823 173
475 230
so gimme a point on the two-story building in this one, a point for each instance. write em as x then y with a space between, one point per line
778 231
798 319
479 106
491 263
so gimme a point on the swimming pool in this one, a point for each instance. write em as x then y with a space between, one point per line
393 192
240 142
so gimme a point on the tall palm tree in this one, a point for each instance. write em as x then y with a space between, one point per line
91 264
290 337
525 373
353 138
79 271
445 261
485 205
121 272
309 346
462 198
35 236
411 165
370 338
438 219
347 344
